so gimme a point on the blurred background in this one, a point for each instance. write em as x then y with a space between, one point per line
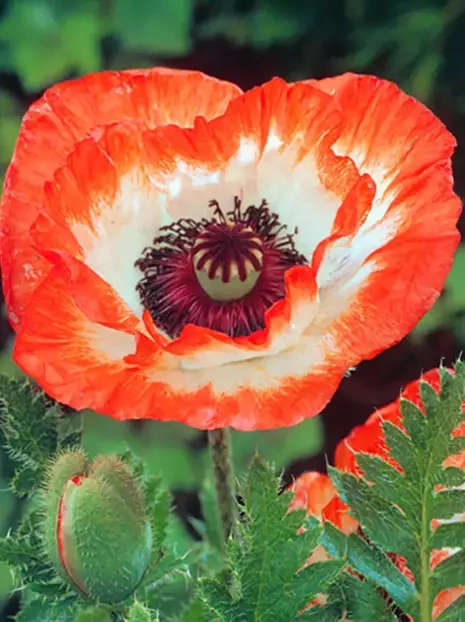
420 44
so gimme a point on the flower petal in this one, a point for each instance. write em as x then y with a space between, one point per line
71 356
312 492
364 307
395 255
388 134
66 114
104 199
88 365
272 143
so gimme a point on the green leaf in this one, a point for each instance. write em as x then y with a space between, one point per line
447 503
389 482
210 513
138 613
454 613
449 573
95 614
414 421
382 521
396 508
30 428
447 536
158 500
363 602
154 26
371 562
402 449
453 477
264 559
24 550
325 613
195 612
40 610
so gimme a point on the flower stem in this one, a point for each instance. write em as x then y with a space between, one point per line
223 474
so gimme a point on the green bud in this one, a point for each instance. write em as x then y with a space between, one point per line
98 534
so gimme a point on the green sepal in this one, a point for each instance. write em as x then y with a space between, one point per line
64 468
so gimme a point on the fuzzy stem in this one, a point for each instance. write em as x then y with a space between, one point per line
223 474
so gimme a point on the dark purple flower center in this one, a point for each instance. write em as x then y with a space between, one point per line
222 273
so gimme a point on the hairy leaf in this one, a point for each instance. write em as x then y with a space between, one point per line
34 429
266 579
397 507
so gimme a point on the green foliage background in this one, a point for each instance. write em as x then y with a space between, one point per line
420 44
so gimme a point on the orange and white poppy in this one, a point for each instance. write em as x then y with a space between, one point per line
175 249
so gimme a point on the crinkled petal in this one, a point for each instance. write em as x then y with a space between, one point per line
66 114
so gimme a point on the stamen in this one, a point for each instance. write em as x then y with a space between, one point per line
221 273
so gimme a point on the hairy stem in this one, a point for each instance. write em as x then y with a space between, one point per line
223 474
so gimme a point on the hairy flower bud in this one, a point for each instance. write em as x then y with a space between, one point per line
97 532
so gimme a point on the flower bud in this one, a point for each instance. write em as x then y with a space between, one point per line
97 532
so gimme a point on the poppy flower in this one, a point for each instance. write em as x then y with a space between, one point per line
175 249
369 438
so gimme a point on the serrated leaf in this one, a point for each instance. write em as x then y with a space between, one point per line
40 610
138 613
447 503
25 551
317 573
452 477
158 501
94 614
70 432
402 449
35 611
383 522
210 513
265 557
362 601
371 562
390 483
195 612
324 613
25 481
396 509
15 553
414 422
29 426
454 613
448 535
449 573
